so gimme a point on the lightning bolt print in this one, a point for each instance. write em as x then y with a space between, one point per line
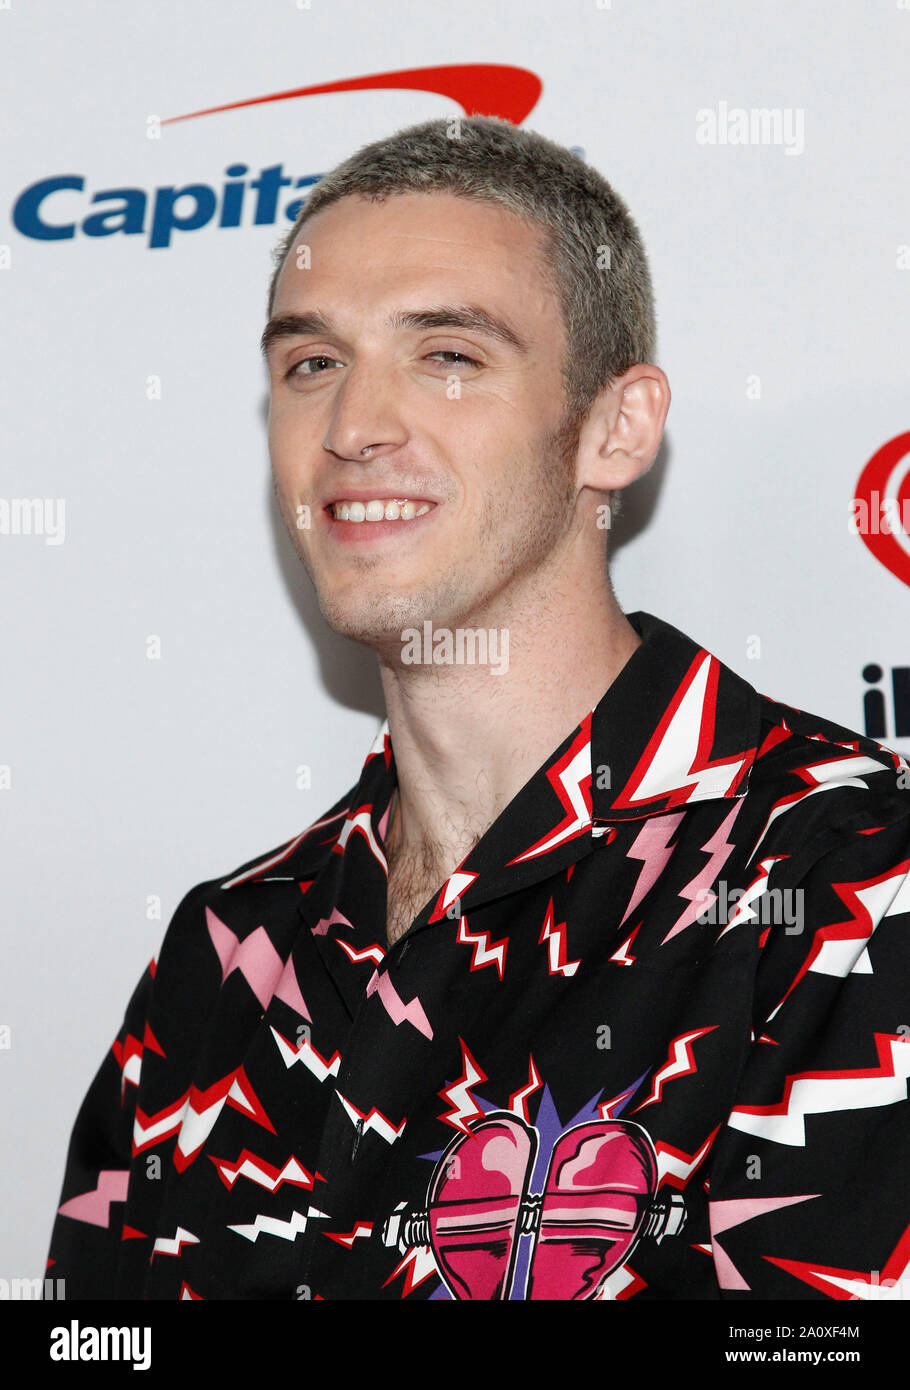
264 1174
334 918
374 953
272 1226
676 766
372 1119
152 1129
399 1011
829 775
458 1095
825 1092
362 1230
555 938
674 1167
417 1265
891 1283
680 1062
841 949
622 1284
652 846
719 849
308 1057
570 778
452 891
129 1060
485 952
609 1109
753 894
623 956
204 1107
518 1100
173 1245
723 1216
94 1207
258 962
361 823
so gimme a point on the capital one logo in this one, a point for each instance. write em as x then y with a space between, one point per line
58 208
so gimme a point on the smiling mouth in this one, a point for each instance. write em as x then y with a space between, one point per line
378 509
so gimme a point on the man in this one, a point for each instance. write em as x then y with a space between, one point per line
594 985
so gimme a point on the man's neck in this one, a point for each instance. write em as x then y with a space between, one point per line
466 740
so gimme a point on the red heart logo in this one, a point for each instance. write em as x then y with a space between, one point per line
880 481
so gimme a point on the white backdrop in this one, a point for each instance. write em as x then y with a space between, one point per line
782 276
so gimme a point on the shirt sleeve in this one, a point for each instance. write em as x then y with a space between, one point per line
809 1196
88 1229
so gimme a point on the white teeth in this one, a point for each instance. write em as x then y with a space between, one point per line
377 509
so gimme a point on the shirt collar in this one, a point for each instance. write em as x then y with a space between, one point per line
675 728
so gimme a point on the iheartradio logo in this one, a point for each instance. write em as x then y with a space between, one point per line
880 511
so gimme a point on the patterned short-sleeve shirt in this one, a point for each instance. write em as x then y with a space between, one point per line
649 1040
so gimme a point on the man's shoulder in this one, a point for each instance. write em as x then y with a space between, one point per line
294 860
802 738
827 773
299 857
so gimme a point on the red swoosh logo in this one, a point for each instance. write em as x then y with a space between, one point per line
872 488
481 89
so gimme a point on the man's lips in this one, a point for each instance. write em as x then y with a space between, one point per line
364 531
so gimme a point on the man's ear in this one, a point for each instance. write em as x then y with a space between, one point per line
622 431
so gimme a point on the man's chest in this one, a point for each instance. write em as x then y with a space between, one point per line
505 1060
411 884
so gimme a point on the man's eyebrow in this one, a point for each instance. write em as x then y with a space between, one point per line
469 316
293 326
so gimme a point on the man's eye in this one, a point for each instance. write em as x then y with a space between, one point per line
462 358
313 366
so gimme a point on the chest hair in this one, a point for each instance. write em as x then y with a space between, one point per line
416 875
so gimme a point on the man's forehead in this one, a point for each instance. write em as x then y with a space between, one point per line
419 240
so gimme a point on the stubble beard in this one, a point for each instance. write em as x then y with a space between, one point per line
517 532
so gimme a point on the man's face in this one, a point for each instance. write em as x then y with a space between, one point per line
429 369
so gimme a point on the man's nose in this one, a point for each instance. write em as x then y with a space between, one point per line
366 417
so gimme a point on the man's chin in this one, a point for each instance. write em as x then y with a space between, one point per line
377 622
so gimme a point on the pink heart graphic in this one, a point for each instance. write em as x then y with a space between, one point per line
872 488
599 1186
